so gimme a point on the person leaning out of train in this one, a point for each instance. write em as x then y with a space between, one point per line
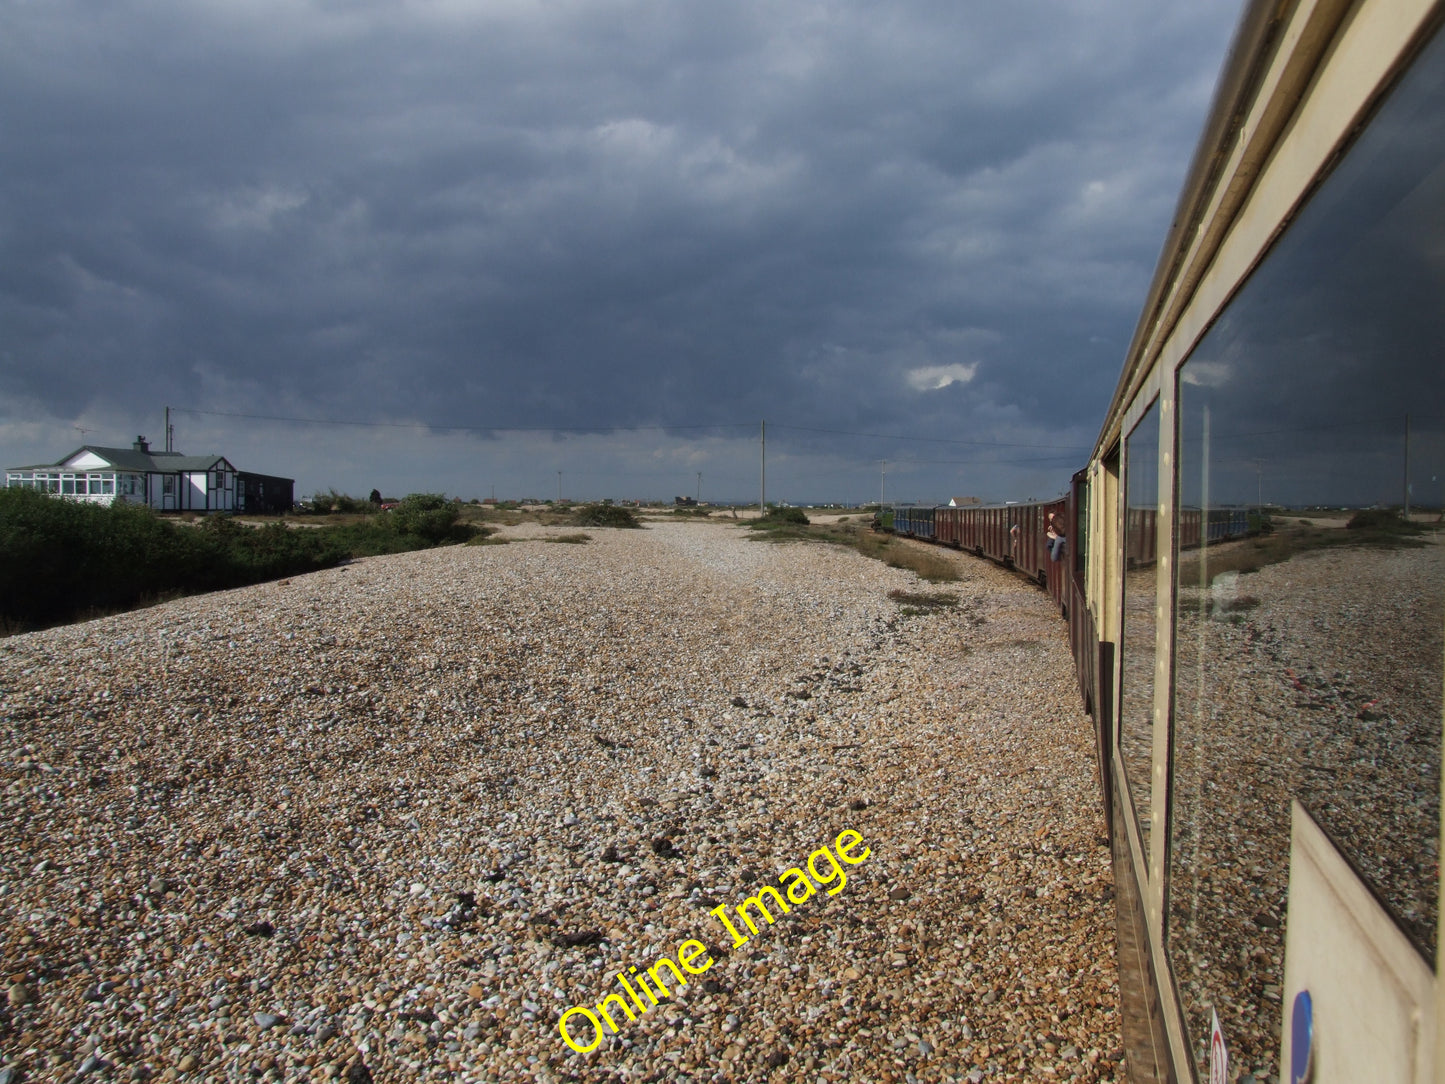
1054 533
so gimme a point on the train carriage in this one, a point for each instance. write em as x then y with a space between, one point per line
1265 673
1269 707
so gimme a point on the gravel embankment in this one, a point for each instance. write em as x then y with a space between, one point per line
390 821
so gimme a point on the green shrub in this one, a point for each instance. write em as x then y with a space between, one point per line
428 516
1375 519
63 559
604 515
332 501
779 517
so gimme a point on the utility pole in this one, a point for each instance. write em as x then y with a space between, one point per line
882 476
763 496
559 487
699 487
169 429
1407 464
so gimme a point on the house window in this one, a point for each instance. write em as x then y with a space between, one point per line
67 484
168 485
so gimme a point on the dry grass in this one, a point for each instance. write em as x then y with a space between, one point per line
922 602
1286 540
916 557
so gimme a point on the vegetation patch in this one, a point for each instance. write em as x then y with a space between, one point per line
920 602
605 515
779 519
62 560
573 538
343 504
916 557
1275 543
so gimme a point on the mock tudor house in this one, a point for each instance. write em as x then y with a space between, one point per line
165 481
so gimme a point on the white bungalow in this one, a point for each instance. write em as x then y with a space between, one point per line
165 481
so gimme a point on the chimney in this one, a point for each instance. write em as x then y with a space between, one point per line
141 445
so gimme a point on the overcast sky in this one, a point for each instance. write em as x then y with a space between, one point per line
558 225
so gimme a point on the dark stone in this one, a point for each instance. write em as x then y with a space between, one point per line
261 929
581 937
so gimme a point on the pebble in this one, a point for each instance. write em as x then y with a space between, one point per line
463 788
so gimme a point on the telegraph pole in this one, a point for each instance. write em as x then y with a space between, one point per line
1407 465
882 476
699 487
559 487
763 496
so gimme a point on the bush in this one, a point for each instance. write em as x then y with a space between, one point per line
61 560
429 516
1375 519
780 517
332 501
604 515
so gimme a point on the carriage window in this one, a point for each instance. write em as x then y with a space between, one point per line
1136 693
1308 646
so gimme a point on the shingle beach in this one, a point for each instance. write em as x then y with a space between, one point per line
390 821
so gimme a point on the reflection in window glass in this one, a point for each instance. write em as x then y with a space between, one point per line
1308 646
1136 694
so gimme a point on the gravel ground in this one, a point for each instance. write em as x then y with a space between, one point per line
391 820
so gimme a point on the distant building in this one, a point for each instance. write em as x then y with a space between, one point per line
165 481
964 502
685 502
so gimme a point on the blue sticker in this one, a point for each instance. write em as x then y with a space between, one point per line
1302 1039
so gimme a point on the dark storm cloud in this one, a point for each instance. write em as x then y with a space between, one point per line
911 218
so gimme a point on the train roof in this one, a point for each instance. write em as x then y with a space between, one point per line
1278 51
